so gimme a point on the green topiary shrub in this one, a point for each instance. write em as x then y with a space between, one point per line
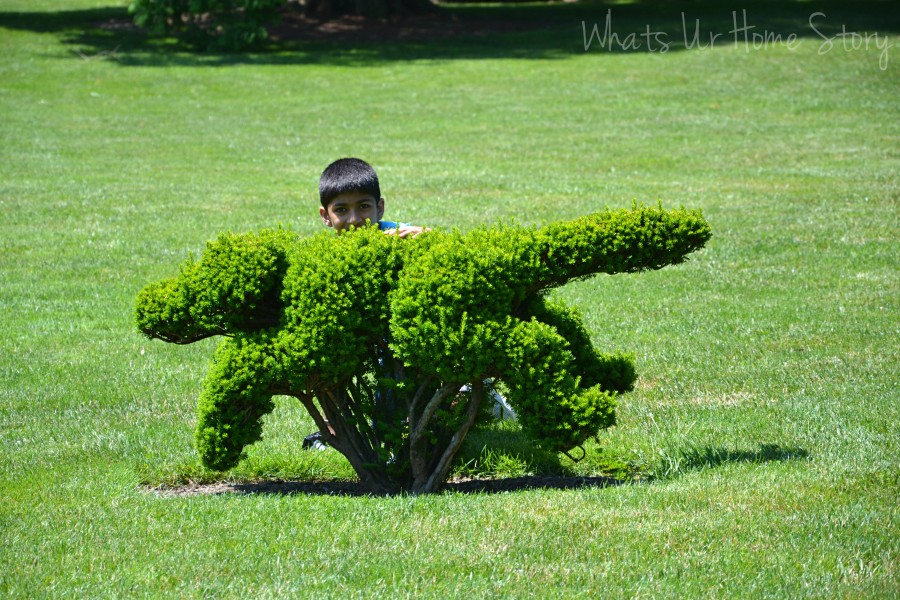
230 25
377 335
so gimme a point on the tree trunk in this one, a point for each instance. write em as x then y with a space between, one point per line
339 420
339 432
430 481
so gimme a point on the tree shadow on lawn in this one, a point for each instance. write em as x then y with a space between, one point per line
546 31
694 459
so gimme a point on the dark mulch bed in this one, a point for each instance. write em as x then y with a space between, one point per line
352 488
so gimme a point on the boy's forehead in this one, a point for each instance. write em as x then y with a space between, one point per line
352 198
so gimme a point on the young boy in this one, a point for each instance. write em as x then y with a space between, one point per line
351 196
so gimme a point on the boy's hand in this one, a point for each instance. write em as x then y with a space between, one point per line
407 231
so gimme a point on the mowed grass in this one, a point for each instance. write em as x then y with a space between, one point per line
761 448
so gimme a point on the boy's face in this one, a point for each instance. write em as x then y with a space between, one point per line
352 208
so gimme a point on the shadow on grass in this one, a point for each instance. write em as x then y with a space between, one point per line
356 489
698 459
545 31
695 459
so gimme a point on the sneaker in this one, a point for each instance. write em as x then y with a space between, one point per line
314 441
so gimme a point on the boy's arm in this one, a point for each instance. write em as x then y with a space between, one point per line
403 230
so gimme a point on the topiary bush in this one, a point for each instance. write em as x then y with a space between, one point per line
229 25
377 336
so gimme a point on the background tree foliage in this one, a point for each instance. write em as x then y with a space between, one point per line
377 336
208 24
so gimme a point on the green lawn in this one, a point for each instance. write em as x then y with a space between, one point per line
761 446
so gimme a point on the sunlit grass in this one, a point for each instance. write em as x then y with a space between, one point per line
761 441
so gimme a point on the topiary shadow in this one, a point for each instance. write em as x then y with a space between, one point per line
355 489
708 457
693 460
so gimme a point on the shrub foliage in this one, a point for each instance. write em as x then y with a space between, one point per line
377 336
236 25
208 24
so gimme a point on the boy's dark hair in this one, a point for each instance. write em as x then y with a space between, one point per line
347 175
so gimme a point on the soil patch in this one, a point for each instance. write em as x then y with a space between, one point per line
353 488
